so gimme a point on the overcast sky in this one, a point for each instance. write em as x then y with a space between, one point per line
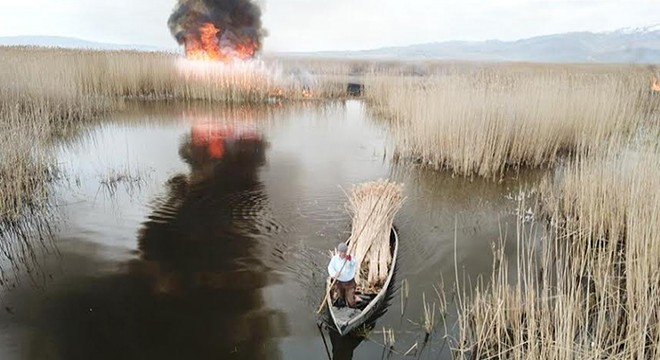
310 25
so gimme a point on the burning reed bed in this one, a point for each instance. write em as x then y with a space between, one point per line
496 117
121 75
588 288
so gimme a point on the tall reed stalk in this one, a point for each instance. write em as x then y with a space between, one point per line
587 288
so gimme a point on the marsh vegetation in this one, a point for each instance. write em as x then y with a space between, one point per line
491 119
582 278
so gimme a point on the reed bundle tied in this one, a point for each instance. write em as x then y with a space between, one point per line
373 205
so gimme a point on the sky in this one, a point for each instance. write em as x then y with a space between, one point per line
315 25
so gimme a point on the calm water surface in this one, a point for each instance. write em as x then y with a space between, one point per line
194 232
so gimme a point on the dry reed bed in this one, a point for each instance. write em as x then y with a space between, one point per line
25 172
35 107
589 288
486 120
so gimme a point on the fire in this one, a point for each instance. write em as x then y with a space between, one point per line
307 93
245 51
207 46
655 85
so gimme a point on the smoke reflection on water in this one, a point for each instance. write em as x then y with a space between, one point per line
233 228
195 291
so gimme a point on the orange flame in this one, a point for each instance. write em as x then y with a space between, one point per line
245 51
655 85
307 93
207 46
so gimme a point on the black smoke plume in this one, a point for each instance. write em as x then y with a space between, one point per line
239 21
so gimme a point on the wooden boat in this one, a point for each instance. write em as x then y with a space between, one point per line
346 319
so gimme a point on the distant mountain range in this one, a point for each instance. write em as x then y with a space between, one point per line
638 45
630 45
74 43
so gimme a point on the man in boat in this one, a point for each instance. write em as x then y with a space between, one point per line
342 268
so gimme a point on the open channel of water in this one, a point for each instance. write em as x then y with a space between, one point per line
198 232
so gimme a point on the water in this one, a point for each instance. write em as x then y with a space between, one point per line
203 232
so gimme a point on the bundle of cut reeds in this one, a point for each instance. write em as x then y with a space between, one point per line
373 206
